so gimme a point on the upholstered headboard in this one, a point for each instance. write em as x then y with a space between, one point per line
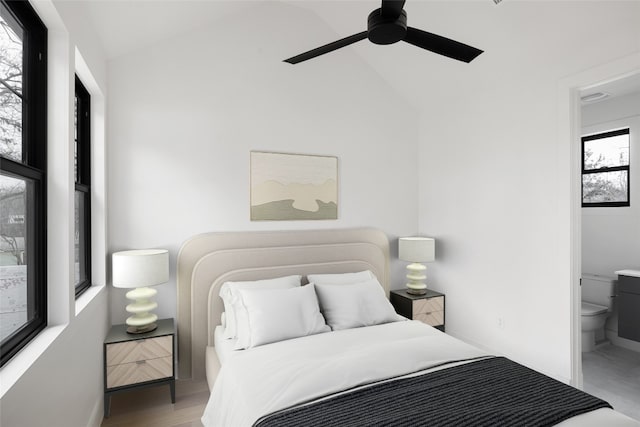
208 260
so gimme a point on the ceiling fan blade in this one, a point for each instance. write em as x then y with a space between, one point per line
441 45
391 8
327 48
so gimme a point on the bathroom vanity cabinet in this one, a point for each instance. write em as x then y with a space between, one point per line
629 304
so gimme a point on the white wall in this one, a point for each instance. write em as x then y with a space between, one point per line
63 388
611 236
56 380
494 177
184 115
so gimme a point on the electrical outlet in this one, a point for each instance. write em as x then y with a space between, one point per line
500 322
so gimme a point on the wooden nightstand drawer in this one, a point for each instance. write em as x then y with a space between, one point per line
435 318
428 308
429 311
133 351
139 371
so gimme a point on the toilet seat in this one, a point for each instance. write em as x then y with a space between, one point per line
589 309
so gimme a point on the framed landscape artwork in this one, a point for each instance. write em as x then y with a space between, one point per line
293 187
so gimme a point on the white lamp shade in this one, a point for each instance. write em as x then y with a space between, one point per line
138 268
417 249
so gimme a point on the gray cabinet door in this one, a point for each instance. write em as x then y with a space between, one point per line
629 306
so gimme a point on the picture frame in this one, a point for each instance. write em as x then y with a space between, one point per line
293 187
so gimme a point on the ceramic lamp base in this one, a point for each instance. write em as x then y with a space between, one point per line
142 329
416 277
142 320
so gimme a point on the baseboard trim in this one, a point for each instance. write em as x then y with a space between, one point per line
96 414
622 342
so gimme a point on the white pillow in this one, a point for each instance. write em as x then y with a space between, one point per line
355 305
229 295
340 279
281 314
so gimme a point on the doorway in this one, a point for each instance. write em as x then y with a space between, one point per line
570 131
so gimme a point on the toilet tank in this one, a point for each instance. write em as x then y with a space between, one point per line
598 289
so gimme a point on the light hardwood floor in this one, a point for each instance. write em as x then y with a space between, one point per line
610 373
152 406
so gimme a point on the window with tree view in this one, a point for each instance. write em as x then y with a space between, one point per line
23 73
605 169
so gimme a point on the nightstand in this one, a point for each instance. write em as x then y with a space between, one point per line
428 308
139 360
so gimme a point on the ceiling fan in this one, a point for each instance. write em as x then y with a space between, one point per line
388 25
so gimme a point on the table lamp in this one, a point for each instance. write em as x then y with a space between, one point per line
140 269
416 250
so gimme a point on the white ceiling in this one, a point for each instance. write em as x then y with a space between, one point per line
125 26
619 87
128 25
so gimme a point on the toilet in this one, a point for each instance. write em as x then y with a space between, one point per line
597 293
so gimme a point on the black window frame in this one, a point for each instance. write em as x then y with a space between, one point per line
627 168
33 168
83 176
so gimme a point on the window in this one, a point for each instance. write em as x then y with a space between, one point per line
605 169
23 127
82 246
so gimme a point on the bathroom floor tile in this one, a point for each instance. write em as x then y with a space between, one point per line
613 374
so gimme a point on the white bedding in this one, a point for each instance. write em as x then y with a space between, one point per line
224 347
265 379
248 387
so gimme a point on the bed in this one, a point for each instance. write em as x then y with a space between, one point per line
390 372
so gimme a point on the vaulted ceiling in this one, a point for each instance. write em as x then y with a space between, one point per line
502 30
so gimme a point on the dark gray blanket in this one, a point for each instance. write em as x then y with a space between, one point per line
489 392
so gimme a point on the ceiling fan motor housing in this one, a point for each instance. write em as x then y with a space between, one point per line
382 30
